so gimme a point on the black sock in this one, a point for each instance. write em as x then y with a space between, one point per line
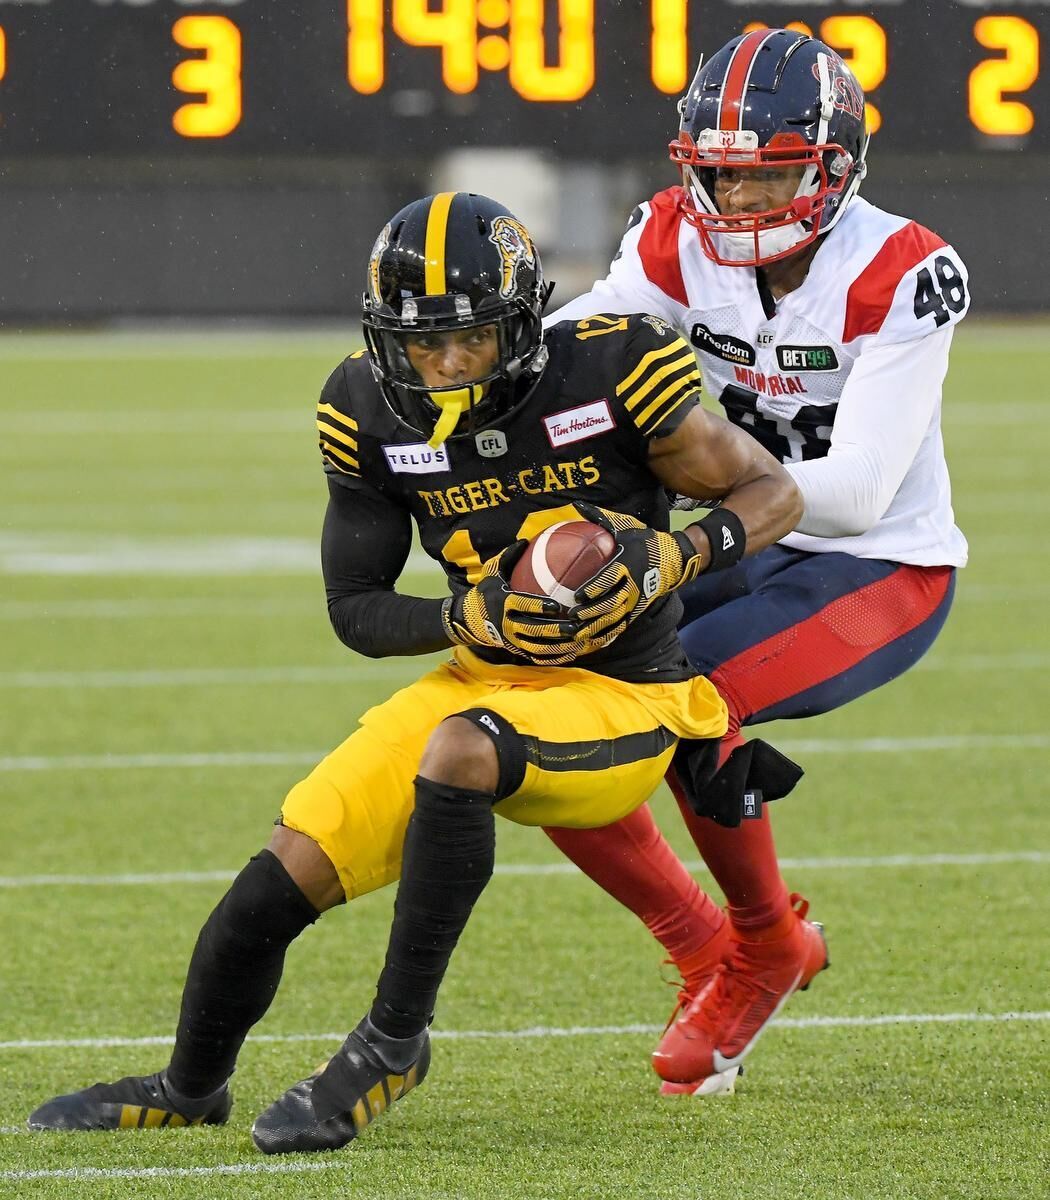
234 972
450 846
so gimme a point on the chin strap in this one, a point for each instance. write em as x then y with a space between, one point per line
453 403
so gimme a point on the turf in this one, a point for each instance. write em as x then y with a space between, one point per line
159 597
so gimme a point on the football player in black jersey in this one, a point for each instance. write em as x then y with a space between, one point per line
462 417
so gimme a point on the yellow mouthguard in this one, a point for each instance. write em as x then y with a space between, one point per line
453 405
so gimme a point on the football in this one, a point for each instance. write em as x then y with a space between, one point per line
561 559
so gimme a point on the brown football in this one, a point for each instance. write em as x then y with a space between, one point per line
561 559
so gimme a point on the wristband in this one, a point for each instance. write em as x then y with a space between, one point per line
725 531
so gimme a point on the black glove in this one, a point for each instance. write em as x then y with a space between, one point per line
649 564
490 615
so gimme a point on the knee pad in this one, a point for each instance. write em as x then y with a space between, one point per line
510 747
264 905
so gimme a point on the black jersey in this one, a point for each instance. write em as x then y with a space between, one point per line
610 385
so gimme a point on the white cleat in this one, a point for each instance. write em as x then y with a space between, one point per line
721 1084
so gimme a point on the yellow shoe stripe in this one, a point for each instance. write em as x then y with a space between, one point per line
140 1116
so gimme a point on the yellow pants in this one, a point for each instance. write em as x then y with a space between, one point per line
594 750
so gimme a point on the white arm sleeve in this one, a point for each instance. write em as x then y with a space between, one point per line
887 404
626 289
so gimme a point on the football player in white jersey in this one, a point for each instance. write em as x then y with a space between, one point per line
823 325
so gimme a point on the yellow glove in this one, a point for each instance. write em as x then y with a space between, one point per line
649 564
490 615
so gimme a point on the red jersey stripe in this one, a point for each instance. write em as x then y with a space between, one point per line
658 245
735 82
838 637
871 293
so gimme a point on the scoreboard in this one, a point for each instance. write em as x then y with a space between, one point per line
583 79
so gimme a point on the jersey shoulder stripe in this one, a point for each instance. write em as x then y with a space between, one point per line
337 428
871 294
658 245
659 383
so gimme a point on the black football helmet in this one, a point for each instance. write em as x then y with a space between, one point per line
771 98
449 262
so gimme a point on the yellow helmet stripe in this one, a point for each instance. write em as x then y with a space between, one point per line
434 249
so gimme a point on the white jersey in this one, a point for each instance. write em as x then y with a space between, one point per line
840 379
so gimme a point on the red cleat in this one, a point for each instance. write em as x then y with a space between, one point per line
723 1021
698 969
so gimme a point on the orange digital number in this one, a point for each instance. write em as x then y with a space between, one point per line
364 45
530 76
669 57
865 41
1016 72
3 52
797 26
454 27
217 76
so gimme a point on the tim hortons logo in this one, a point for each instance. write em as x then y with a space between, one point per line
576 424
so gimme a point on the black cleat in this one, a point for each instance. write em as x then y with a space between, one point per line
335 1104
137 1102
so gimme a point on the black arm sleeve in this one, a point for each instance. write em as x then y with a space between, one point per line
364 547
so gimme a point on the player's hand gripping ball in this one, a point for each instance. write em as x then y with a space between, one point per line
508 608
646 564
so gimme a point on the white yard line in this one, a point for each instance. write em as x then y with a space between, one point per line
282 758
149 421
875 1021
121 609
262 1168
394 668
189 343
31 553
843 863
212 677
307 607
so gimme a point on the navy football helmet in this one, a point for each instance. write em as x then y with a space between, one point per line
455 261
771 98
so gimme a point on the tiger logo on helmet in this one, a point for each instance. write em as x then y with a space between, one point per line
515 247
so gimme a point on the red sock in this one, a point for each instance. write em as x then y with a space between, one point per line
742 860
634 864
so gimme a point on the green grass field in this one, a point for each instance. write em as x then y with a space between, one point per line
168 671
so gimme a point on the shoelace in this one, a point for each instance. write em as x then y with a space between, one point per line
683 998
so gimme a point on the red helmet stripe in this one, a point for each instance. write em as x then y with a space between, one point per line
739 71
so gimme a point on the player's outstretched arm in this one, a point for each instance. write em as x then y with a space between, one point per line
707 458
